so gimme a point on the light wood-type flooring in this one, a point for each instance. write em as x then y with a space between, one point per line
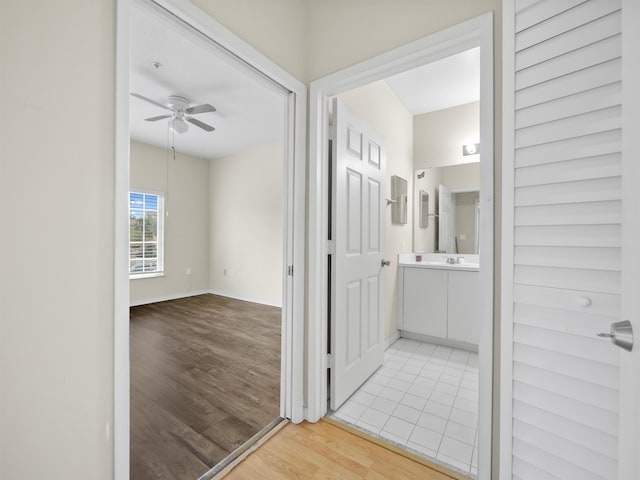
324 451
205 377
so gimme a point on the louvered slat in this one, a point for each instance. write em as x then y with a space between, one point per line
600 166
586 56
601 303
557 318
591 213
528 15
568 365
597 30
589 438
580 15
589 78
594 190
569 257
569 236
524 470
568 278
564 457
577 411
568 343
564 107
596 121
566 238
597 144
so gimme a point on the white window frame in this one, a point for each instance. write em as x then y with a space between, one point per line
159 272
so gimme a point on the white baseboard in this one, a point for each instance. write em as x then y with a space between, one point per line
164 298
391 340
176 296
439 341
261 301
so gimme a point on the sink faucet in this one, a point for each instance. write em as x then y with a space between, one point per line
454 260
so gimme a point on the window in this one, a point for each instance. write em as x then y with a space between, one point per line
145 234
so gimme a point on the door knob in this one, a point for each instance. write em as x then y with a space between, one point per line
621 334
385 263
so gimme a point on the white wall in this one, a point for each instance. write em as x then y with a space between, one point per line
276 28
438 136
185 183
246 192
56 248
383 111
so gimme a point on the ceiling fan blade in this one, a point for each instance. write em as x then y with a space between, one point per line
141 97
200 124
200 109
159 117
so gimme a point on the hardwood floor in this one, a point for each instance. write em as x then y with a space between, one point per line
205 377
324 451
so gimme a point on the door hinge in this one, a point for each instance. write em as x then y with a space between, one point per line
290 270
331 361
331 247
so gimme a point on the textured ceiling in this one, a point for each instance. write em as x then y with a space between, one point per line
447 83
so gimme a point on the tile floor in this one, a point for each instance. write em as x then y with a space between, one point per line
424 399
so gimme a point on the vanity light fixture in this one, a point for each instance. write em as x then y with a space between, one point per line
470 149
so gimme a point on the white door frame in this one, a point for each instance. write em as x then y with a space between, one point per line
629 425
294 215
472 33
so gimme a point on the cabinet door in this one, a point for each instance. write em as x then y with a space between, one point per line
464 306
425 301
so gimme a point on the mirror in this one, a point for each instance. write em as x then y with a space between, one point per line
398 200
423 199
450 221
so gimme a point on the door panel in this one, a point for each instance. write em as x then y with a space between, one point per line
568 408
357 342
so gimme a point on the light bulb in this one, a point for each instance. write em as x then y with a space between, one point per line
178 125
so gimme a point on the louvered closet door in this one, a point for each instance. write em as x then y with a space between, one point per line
566 234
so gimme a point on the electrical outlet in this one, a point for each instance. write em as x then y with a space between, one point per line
188 272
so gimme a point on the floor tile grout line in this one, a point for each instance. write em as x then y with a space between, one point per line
439 365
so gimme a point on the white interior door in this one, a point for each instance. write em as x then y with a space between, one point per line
569 407
357 344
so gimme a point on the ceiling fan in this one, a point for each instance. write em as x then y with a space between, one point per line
180 113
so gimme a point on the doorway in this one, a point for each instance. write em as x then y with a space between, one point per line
471 34
290 95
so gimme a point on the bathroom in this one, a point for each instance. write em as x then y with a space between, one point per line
432 297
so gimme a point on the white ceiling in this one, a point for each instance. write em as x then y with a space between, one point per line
447 83
249 111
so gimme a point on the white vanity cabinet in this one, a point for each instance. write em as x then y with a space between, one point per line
425 301
440 302
463 307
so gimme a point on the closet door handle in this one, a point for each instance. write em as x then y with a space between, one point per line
385 263
621 334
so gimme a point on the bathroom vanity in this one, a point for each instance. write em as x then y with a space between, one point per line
439 298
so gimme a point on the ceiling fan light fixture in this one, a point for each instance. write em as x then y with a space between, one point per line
178 125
